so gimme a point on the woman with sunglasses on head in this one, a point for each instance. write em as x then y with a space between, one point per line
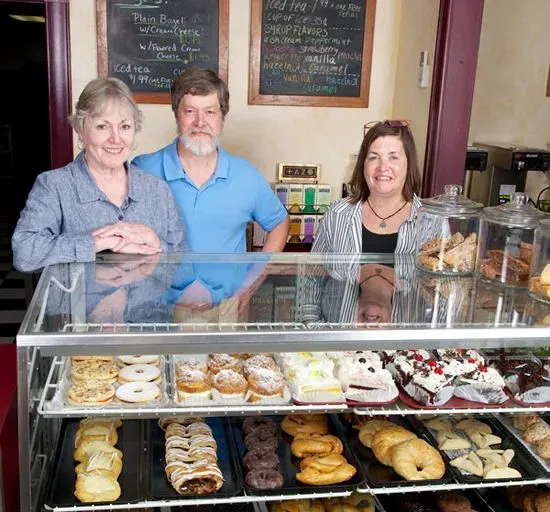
380 214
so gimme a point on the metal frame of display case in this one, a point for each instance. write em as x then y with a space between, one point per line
40 354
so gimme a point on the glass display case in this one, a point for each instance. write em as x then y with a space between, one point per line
317 315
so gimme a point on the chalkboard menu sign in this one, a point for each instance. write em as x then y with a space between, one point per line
311 52
147 43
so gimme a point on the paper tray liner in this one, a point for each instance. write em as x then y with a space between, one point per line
454 403
392 502
63 478
290 465
160 488
525 404
522 460
374 472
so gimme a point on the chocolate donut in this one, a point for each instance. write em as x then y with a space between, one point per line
262 433
266 445
264 479
251 423
260 460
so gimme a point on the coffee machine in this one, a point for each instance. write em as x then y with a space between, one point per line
476 162
507 168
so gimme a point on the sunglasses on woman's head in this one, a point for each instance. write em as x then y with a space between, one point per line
394 123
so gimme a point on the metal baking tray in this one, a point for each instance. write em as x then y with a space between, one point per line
290 465
426 502
159 488
522 460
63 478
375 473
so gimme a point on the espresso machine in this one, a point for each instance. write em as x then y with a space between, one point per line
507 168
476 162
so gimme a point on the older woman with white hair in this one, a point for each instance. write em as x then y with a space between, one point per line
98 201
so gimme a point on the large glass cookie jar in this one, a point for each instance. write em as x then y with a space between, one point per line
539 282
447 228
506 241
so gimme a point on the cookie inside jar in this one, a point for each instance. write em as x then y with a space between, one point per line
447 233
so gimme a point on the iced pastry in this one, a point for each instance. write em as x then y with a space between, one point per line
528 381
483 384
364 380
430 384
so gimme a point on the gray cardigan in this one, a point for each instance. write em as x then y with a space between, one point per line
65 205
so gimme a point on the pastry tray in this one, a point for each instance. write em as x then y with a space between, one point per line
59 401
375 473
498 499
392 502
159 488
506 422
290 465
62 481
454 403
522 460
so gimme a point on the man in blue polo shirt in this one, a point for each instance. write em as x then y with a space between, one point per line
217 194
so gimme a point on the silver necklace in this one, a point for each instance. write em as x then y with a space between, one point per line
383 219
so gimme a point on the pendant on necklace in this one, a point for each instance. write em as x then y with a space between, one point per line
382 224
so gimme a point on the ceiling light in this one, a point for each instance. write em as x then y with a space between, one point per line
24 17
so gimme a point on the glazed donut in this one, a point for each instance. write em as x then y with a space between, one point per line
385 439
251 423
268 445
138 373
256 460
417 460
296 424
154 360
180 420
368 429
137 392
264 479
305 446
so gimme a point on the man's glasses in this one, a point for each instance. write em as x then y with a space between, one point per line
394 123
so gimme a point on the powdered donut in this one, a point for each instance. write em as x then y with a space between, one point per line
257 460
154 360
138 373
251 423
137 392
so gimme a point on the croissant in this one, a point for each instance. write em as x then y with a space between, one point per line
304 446
325 470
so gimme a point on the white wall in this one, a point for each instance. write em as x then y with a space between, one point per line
509 100
266 135
418 30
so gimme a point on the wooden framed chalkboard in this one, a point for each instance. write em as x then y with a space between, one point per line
146 43
311 52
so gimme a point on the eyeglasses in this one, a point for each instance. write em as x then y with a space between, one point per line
394 123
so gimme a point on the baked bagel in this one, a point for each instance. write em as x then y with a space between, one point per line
369 428
308 424
305 446
385 439
325 470
417 460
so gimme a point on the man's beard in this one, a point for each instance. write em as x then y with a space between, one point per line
199 147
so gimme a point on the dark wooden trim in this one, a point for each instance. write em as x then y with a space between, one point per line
160 97
454 73
548 82
256 98
59 82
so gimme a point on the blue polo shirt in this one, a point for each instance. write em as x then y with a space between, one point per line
216 215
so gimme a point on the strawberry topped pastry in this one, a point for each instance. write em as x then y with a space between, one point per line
431 383
403 363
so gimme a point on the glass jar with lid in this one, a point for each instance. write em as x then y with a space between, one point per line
539 281
506 241
447 228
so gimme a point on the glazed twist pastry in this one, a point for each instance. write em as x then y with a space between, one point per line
325 470
308 424
305 446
